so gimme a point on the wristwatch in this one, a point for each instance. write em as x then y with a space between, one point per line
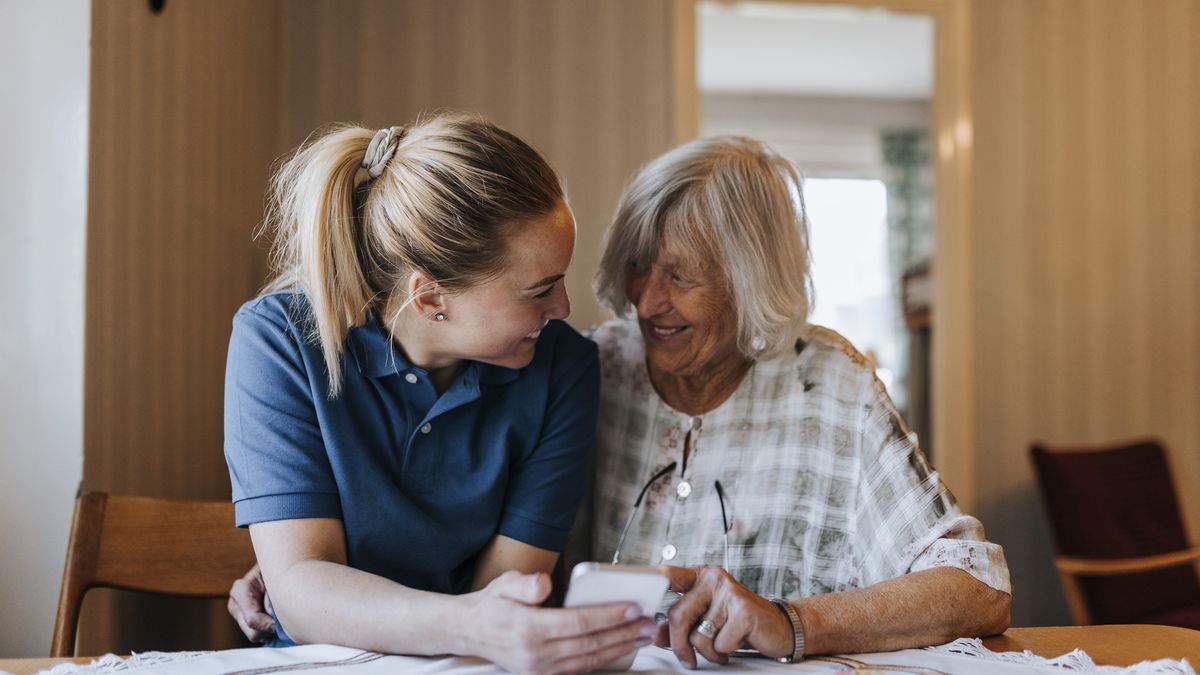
797 631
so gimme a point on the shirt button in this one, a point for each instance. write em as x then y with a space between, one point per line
695 423
410 378
426 428
684 489
669 552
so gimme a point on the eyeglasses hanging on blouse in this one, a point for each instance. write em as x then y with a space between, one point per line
726 513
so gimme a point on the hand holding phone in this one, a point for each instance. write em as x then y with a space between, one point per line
601 583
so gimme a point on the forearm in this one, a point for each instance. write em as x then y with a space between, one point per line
915 610
318 601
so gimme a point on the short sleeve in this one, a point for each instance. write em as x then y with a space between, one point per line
273 445
907 519
546 486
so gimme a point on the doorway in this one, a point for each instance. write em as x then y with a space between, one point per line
844 93
842 148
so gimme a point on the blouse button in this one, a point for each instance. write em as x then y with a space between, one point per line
426 428
695 423
668 552
684 489
410 378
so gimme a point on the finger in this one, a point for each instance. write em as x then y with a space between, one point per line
749 620
683 618
582 663
249 632
250 607
527 589
242 607
704 643
681 579
662 637
263 623
638 631
252 633
569 622
732 637
246 596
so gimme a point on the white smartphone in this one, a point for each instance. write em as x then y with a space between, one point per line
601 583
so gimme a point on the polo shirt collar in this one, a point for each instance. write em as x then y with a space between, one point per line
377 356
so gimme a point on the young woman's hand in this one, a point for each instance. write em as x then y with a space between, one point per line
503 623
741 618
251 608
507 626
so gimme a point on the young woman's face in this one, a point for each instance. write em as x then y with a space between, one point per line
498 322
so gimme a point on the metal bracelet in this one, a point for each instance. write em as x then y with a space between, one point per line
797 631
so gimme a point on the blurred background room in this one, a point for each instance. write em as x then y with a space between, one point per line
1004 195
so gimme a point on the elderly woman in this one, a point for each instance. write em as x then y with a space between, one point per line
757 455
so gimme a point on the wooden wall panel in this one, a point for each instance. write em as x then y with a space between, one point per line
1085 222
587 83
184 125
190 108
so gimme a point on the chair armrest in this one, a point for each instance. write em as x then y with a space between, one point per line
1100 567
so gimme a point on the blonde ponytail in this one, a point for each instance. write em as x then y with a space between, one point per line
443 200
311 207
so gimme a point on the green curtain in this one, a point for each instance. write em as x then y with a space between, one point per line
908 175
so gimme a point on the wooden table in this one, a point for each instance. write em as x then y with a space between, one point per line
1120 645
30 666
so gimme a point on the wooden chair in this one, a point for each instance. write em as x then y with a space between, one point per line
172 547
1124 555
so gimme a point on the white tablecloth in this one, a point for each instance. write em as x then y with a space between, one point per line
961 657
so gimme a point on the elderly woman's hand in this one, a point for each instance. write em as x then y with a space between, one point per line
740 618
251 608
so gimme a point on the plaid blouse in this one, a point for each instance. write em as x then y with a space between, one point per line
820 483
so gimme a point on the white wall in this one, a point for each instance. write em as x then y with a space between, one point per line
44 49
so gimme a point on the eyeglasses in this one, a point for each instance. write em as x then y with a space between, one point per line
726 513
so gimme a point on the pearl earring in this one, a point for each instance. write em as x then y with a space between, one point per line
439 316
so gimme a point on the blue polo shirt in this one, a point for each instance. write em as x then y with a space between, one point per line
421 482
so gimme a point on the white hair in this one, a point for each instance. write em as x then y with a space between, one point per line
735 202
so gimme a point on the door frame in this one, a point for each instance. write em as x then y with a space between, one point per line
952 358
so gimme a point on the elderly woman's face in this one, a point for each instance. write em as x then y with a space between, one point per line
685 312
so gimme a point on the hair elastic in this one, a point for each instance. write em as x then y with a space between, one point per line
380 150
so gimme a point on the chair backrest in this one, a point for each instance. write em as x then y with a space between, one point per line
1118 502
172 547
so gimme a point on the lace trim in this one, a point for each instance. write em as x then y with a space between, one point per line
1075 661
111 663
981 559
1072 662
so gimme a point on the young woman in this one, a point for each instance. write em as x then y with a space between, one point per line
408 422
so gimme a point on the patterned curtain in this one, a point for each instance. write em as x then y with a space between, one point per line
908 175
909 178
